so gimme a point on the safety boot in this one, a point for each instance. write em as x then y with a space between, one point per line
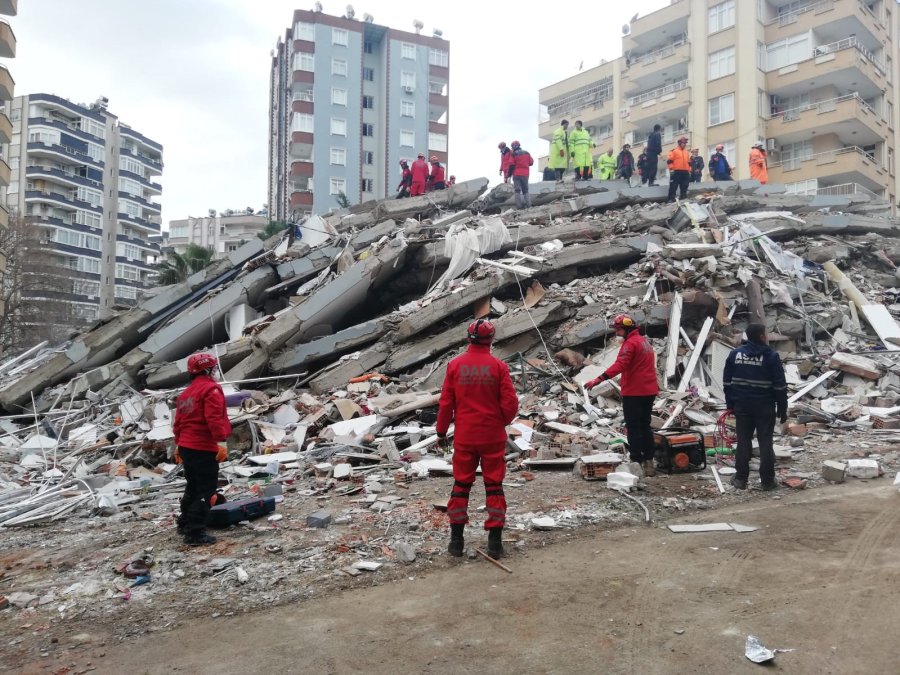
649 468
457 543
199 539
495 543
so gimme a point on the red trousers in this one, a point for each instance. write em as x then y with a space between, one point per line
493 470
417 189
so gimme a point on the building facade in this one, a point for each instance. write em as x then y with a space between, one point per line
816 81
86 182
222 233
7 92
349 100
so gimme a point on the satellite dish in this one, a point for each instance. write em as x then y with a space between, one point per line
418 25
318 6
626 29
350 12
368 18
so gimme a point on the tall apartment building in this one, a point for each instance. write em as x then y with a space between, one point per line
86 180
815 80
7 87
349 100
222 233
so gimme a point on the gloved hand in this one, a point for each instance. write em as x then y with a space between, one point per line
593 383
443 442
222 453
178 459
782 414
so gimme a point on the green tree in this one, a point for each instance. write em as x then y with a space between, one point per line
342 199
179 266
274 227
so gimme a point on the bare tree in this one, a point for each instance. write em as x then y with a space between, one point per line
34 289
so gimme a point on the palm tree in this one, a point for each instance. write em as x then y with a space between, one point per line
274 227
179 266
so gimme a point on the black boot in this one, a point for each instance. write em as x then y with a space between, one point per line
495 543
200 538
457 543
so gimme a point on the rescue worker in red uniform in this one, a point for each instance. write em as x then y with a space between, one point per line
436 178
419 176
506 162
479 397
405 180
522 163
636 362
201 423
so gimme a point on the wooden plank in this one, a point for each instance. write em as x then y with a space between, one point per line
695 355
812 385
515 269
674 327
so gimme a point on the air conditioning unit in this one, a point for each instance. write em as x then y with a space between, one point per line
771 144
408 89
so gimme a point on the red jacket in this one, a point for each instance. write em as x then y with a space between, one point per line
636 362
522 162
437 174
506 161
419 171
479 396
405 180
201 420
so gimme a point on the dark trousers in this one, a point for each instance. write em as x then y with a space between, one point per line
523 199
201 470
651 166
759 417
560 173
637 410
678 180
695 177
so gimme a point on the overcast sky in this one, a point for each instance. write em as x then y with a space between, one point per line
194 75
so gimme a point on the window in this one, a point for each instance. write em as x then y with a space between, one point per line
369 158
369 74
305 31
178 231
128 272
368 102
721 16
788 51
304 61
338 156
303 95
130 208
302 122
793 154
132 165
94 197
339 67
368 47
438 57
96 152
408 80
721 63
803 187
126 292
339 37
338 127
437 142
407 109
368 185
128 186
890 161
368 129
93 127
87 218
408 139
435 87
129 251
408 51
83 287
337 185
338 96
721 109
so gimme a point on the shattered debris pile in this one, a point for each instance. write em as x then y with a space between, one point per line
334 341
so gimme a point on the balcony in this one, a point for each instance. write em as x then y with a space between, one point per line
850 164
4 173
135 221
844 17
843 64
128 132
654 29
4 218
155 188
5 128
62 126
301 145
63 177
7 85
7 41
644 67
845 116
664 103
301 200
61 152
155 165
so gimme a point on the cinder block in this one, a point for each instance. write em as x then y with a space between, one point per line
318 519
834 472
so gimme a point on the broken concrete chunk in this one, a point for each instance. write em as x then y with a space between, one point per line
855 365
319 519
833 471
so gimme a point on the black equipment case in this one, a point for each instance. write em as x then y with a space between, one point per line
223 515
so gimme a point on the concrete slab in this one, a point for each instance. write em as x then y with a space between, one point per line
362 363
301 355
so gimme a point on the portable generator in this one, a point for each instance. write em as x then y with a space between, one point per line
678 450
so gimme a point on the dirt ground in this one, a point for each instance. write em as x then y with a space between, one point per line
817 576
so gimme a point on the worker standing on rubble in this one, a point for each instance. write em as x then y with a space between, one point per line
558 159
642 166
679 163
420 175
580 144
758 169
606 165
478 396
506 162
405 180
522 162
201 424
436 177
719 168
756 391
636 362
697 166
625 164
653 148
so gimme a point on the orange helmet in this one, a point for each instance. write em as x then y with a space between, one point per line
197 363
481 332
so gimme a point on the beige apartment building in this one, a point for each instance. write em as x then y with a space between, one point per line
816 81
7 88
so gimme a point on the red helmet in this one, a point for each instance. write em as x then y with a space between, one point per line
481 332
624 321
501 145
197 363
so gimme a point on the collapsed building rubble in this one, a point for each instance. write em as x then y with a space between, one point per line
334 339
